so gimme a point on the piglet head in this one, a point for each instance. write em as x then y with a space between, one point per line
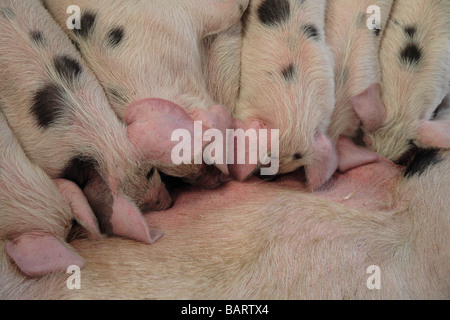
318 157
146 188
394 137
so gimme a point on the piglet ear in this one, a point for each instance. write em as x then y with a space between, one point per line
243 171
116 214
434 134
150 125
352 156
79 205
39 253
369 108
216 119
127 221
324 163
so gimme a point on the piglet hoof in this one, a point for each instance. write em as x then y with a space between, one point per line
38 254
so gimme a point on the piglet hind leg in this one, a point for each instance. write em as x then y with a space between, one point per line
39 253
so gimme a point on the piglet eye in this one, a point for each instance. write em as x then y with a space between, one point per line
297 156
151 173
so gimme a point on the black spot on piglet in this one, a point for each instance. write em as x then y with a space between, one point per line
115 36
289 72
48 105
87 25
424 160
7 13
274 12
68 68
37 37
410 31
411 54
311 32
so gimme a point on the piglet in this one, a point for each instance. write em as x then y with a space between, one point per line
147 56
415 69
287 84
36 214
353 32
59 113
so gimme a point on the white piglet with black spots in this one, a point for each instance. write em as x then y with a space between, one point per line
59 113
287 84
415 86
36 213
354 29
148 57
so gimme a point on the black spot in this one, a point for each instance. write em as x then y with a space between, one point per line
48 105
244 21
411 54
67 67
115 36
410 31
297 156
377 31
424 160
87 25
101 200
7 13
37 37
274 12
311 32
151 173
79 169
289 72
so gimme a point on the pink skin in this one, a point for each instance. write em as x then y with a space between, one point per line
40 253
151 122
79 205
131 222
436 134
369 108
351 155
368 186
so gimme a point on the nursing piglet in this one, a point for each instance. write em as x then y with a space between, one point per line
35 218
147 56
61 117
353 32
287 84
415 67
